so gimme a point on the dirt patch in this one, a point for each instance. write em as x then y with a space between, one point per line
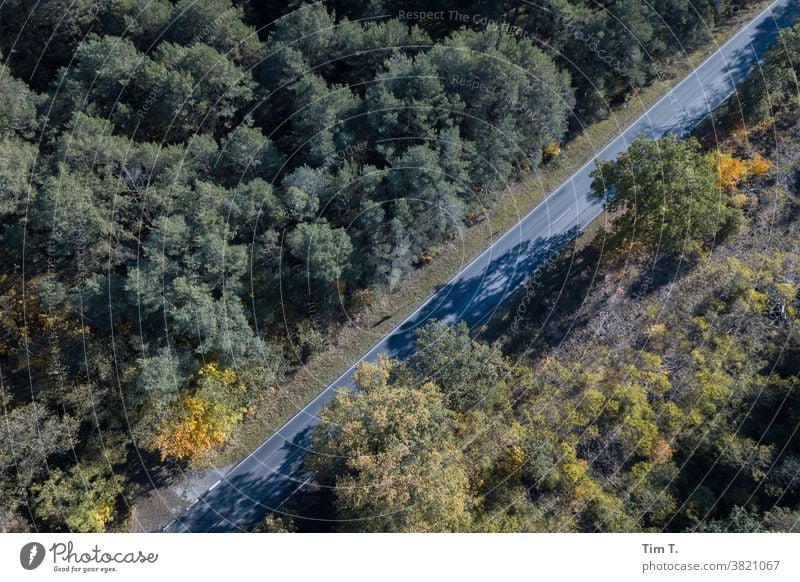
156 508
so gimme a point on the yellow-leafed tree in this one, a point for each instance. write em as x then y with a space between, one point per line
388 453
203 417
730 171
759 165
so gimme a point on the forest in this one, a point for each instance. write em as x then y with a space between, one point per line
649 385
193 194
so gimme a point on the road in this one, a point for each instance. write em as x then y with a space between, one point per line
272 473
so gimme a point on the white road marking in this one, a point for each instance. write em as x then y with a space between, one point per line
562 215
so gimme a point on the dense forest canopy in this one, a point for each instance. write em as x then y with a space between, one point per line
194 192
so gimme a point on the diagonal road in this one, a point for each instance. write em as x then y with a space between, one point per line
271 474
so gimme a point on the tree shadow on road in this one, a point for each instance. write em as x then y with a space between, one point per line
242 499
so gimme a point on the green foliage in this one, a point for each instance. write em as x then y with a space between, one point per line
198 89
665 196
31 434
160 381
17 159
17 106
523 107
772 86
217 23
317 120
42 36
141 21
466 372
247 154
608 48
323 252
81 499
103 78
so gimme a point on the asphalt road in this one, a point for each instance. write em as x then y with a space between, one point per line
272 473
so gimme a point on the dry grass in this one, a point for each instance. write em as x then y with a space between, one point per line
359 336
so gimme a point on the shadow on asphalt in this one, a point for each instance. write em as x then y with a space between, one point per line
246 498
475 300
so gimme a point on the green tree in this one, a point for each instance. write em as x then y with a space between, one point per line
520 104
419 180
409 99
17 160
323 252
81 499
77 221
219 24
310 30
665 196
41 37
773 84
141 21
196 90
17 106
246 154
318 120
31 435
101 81
159 381
467 372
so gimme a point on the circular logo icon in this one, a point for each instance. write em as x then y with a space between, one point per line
31 555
